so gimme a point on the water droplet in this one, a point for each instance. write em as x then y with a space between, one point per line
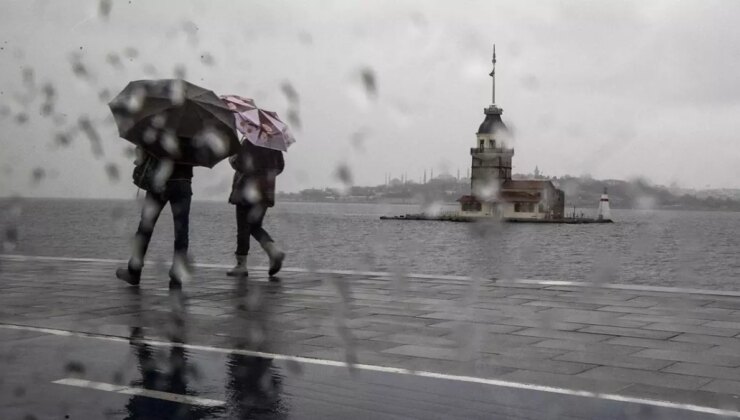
28 77
290 92
104 95
207 59
117 377
131 53
191 31
305 38
74 367
294 118
294 367
104 8
149 70
114 60
92 135
78 68
63 139
112 170
177 88
369 81
37 175
215 141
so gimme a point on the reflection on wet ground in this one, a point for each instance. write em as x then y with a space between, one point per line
74 342
173 383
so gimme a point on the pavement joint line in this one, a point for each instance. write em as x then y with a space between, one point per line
386 369
541 282
150 393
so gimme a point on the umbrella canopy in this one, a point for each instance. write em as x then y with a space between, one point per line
262 128
176 120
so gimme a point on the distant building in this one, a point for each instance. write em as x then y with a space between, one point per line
492 191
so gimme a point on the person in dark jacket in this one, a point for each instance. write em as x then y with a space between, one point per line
170 183
253 192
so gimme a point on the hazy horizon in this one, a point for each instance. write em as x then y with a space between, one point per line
612 90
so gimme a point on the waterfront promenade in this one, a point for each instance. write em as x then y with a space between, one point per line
455 341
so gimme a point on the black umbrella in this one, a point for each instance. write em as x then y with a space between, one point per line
176 120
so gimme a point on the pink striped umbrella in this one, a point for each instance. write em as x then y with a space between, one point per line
262 128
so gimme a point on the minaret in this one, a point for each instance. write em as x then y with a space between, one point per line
491 158
604 213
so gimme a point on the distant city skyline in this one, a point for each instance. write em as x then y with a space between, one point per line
615 90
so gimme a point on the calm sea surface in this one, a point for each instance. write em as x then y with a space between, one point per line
668 248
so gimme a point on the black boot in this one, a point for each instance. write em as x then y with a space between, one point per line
180 271
240 269
276 257
130 276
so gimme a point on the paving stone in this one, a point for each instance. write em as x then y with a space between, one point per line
682 356
701 329
705 370
708 339
600 347
557 304
628 332
662 319
733 325
670 380
539 322
724 386
478 326
564 335
551 366
695 397
564 381
418 340
660 344
427 352
526 352
634 310
633 361
508 340
578 315
336 342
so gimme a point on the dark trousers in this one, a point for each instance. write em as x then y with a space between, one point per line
179 194
249 222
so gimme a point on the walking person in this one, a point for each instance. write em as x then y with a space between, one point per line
164 182
175 125
253 192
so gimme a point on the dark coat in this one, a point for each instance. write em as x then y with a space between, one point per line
254 180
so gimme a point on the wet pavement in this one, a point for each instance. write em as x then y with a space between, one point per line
76 343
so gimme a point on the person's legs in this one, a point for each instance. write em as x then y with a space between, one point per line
242 242
243 229
153 205
179 194
256 216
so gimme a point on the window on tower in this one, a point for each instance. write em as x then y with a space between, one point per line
482 144
492 143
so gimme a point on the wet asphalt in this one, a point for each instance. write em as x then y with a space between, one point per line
235 386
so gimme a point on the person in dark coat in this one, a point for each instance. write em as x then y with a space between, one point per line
167 182
253 192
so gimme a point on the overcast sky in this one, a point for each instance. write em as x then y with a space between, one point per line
611 89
